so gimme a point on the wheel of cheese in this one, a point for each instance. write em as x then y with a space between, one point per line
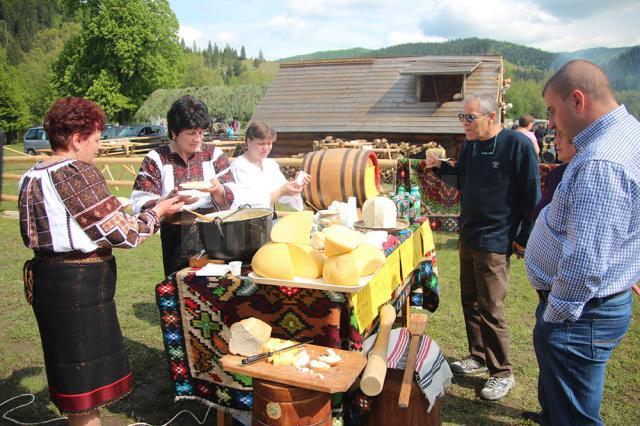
273 260
368 259
293 228
307 262
341 270
340 240
379 212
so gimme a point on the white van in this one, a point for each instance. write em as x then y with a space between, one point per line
35 138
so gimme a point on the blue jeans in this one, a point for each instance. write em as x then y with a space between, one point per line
572 358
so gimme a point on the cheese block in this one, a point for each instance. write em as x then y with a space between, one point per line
293 228
379 212
281 358
273 260
317 240
341 270
307 261
248 336
340 239
368 259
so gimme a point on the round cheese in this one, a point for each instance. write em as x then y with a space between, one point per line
273 260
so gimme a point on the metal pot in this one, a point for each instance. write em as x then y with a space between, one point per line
235 234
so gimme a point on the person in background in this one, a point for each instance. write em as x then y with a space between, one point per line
499 181
583 255
565 150
186 159
540 133
235 124
525 124
230 131
260 181
71 221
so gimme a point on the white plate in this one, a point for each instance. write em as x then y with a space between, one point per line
315 284
196 185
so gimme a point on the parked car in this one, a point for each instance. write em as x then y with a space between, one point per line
144 130
35 138
113 132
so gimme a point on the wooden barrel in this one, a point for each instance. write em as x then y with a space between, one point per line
337 174
276 404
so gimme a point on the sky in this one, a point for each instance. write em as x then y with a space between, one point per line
283 28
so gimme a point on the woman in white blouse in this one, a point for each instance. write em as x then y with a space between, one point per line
259 179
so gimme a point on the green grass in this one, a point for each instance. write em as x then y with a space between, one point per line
22 368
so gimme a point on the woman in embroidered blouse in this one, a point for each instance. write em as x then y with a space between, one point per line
71 221
259 179
185 159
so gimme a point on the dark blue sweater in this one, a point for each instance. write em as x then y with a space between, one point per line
499 183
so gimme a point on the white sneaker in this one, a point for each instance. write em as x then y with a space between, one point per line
468 365
497 387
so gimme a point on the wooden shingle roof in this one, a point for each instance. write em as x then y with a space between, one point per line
371 94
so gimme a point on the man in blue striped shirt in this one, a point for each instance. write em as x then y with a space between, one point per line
583 255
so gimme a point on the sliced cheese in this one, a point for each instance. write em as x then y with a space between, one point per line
273 260
341 270
368 259
248 336
340 239
307 262
330 357
293 228
379 212
319 365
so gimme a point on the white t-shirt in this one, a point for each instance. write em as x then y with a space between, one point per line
255 185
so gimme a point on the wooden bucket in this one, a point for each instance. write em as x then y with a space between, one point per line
276 404
385 410
337 174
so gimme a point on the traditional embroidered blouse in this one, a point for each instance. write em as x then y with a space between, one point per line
163 169
66 206
255 185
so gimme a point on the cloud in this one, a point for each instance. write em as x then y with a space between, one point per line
283 23
572 9
402 37
189 34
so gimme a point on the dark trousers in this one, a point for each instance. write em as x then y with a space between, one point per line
484 278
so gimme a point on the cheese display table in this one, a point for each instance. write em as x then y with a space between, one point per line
197 312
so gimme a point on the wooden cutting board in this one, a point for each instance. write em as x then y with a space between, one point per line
338 378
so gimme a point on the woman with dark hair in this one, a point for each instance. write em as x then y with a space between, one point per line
71 221
185 159
259 178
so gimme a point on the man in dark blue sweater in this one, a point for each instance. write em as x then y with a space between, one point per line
499 182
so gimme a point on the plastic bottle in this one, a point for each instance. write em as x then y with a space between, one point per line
417 205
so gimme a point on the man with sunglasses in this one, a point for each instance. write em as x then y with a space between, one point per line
499 182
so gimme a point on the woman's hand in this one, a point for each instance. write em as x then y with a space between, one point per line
168 206
217 192
291 188
186 199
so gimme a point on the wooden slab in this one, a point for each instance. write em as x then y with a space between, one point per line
338 378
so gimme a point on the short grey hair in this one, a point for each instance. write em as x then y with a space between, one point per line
486 101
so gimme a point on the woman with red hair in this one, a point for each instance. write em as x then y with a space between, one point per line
71 221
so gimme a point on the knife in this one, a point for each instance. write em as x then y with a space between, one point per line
255 358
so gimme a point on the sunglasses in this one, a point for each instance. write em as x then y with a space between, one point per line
469 117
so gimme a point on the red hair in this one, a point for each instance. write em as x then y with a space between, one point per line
71 115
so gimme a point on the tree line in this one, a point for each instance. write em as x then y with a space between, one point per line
115 52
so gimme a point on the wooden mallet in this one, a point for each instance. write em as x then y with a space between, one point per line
417 326
374 373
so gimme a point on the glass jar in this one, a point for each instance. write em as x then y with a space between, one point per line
327 218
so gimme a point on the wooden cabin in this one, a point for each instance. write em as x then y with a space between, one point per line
411 99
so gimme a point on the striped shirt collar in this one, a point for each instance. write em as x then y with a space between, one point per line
588 135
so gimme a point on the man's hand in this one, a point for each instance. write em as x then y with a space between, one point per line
636 289
518 250
433 160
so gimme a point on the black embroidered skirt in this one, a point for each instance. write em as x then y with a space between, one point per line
84 355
